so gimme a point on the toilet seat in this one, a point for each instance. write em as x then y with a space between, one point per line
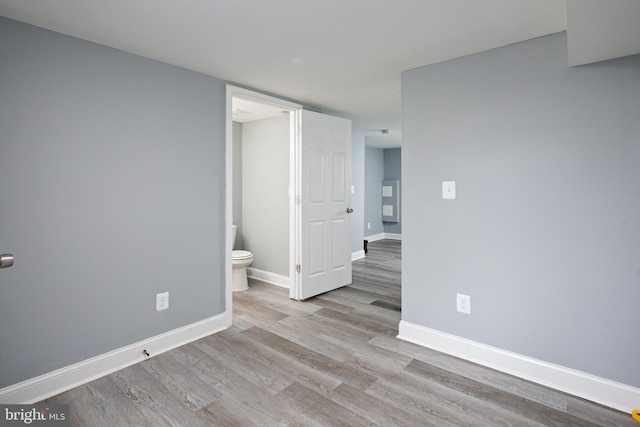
239 254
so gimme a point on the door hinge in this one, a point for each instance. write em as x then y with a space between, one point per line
298 268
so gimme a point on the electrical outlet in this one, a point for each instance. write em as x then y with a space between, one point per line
463 303
368 225
162 301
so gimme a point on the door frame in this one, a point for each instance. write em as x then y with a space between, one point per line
294 168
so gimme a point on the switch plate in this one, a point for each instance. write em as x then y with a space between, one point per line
448 190
162 301
463 303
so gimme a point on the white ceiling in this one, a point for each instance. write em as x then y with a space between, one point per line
245 110
343 56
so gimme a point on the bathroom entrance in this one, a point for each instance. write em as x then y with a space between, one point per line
276 153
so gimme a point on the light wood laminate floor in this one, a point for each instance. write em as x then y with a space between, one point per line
332 360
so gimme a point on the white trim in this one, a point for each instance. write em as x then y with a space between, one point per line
269 277
61 380
228 211
262 98
600 390
381 236
374 237
393 236
295 191
357 255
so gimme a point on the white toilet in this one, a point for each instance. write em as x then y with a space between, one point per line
240 261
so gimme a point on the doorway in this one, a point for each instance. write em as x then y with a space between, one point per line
381 167
319 167
252 114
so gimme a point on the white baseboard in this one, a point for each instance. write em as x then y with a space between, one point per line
61 380
374 237
267 276
357 255
380 236
596 389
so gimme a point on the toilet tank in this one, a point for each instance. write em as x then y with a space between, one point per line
234 231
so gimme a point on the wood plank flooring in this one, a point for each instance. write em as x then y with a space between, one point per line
330 361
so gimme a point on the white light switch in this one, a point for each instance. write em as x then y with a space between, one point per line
448 190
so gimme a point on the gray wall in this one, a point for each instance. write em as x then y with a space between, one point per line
357 198
373 175
112 174
265 194
393 171
237 181
545 232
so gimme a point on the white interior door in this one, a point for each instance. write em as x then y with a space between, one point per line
323 197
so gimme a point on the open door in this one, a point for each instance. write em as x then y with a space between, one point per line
322 197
